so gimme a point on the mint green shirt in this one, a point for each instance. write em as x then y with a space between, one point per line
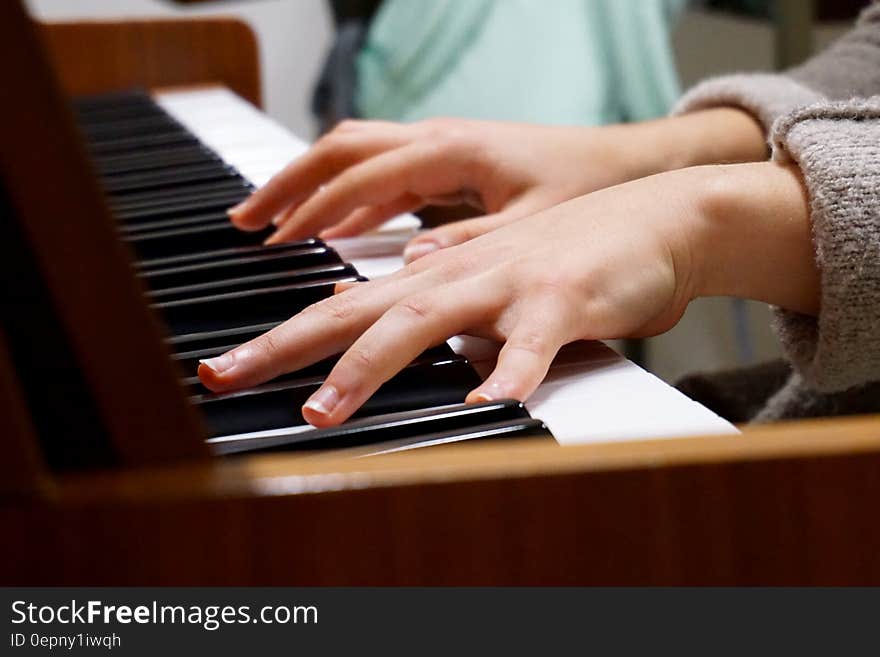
546 61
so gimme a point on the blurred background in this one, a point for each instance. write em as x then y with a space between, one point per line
552 61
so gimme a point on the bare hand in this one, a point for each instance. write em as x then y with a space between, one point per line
610 264
365 172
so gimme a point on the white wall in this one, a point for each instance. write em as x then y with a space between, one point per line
709 43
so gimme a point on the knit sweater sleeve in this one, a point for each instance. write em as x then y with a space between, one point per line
837 148
825 116
850 68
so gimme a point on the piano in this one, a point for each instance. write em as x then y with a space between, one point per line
170 165
120 468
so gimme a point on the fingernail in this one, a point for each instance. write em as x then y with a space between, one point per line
490 392
341 287
324 400
219 364
417 250
236 209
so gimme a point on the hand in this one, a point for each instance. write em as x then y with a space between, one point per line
621 262
365 172
610 264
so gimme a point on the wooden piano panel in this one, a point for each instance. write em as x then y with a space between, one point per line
90 304
22 471
101 56
794 504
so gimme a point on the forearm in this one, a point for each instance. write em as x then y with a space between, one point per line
712 136
753 236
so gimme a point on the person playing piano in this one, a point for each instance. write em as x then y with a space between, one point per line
595 233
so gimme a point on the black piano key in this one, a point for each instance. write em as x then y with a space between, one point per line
523 429
190 192
124 98
170 133
314 440
169 178
519 429
85 108
193 239
235 309
105 121
268 262
153 160
90 114
184 259
400 426
339 271
144 142
277 405
200 342
98 116
143 227
205 202
526 428
128 127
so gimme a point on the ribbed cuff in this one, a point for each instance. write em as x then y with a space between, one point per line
837 147
765 96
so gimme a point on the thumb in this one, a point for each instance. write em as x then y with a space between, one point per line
452 234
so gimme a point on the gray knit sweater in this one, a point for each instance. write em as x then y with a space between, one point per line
825 117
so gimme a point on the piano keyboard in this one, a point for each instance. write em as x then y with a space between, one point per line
215 287
591 393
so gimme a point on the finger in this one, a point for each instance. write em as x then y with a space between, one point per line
458 232
304 175
419 169
451 234
399 336
365 219
281 218
524 359
319 331
343 286
362 125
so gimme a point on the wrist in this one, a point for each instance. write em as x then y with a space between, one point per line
752 236
722 135
629 151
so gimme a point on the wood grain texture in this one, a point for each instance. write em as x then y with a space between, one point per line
794 504
96 57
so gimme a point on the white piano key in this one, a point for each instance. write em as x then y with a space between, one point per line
592 393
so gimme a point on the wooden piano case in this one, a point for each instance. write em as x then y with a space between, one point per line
787 504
